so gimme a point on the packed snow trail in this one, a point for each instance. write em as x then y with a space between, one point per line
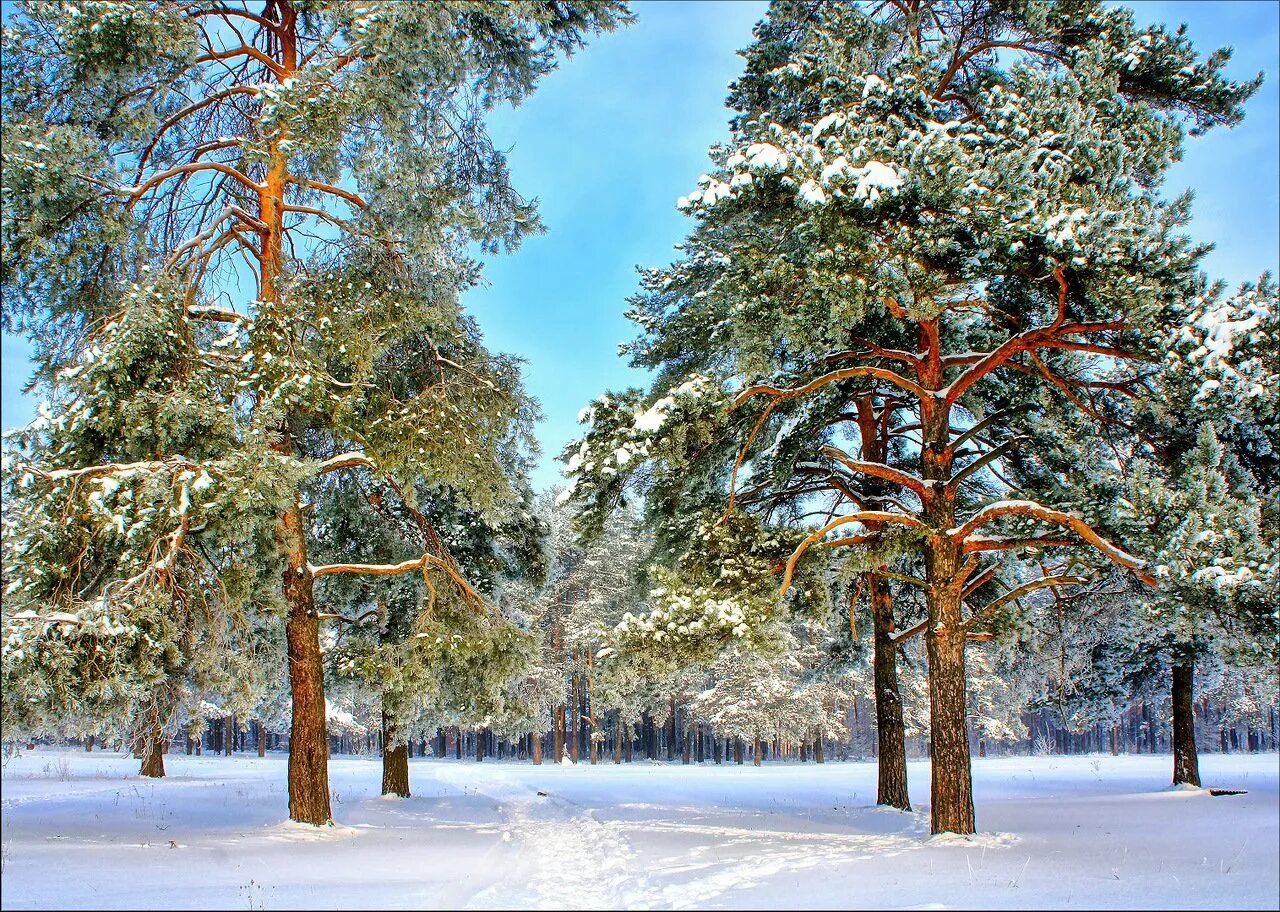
559 856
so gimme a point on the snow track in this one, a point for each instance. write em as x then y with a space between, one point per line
559 856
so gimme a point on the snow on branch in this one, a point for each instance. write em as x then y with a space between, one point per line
118 468
994 511
1045 582
341 461
876 469
880 373
863 516
409 566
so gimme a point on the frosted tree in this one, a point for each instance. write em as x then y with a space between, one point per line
590 586
1200 487
979 182
390 631
304 181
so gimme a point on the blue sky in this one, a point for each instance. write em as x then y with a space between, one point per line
619 132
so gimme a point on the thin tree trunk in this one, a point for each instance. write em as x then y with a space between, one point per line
891 731
575 710
88 744
757 755
260 738
559 732
671 737
617 740
1186 762
480 744
536 748
818 756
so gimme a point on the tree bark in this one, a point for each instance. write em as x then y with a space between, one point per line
153 747
671 736
757 754
1186 762
308 736
559 732
891 731
951 780
536 748
260 737
818 756
575 711
88 744
395 760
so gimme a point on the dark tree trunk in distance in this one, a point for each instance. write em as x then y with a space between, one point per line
1186 762
891 732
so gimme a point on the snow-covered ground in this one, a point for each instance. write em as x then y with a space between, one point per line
84 831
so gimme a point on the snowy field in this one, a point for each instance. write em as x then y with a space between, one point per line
83 831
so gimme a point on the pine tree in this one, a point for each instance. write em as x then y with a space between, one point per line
304 181
957 205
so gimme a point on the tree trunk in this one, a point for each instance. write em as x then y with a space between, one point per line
671 735
951 780
260 738
818 756
536 748
951 792
395 760
757 755
153 746
1186 762
617 741
559 732
88 744
308 736
891 731
480 744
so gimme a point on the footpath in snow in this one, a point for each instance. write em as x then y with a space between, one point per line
83 830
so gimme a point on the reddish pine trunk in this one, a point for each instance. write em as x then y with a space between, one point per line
1186 761
308 737
951 792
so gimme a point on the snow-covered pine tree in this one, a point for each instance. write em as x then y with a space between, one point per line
305 180
384 625
1200 485
590 586
980 181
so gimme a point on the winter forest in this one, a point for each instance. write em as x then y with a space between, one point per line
933 562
